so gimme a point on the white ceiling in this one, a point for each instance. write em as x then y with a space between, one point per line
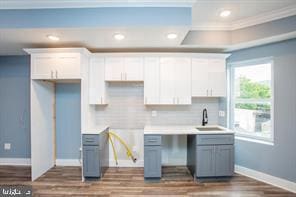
205 16
13 40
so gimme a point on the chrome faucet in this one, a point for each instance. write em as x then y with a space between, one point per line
204 117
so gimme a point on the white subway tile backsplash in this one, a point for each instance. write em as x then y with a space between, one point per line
127 111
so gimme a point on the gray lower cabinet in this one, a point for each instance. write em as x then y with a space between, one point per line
152 156
224 161
205 161
91 161
211 155
95 153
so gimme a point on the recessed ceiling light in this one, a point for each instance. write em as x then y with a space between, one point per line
172 36
225 13
53 38
118 36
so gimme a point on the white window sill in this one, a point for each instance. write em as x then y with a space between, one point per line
259 141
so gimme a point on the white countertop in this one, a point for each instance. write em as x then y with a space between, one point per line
184 130
96 130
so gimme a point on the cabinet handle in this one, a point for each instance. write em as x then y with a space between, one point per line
56 73
51 74
211 92
207 92
121 76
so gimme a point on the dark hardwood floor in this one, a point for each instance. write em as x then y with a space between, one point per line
66 181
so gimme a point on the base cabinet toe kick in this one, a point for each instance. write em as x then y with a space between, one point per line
95 155
208 155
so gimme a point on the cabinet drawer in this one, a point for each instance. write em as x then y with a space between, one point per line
90 139
151 140
214 139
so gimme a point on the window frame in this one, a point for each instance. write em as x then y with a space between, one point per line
231 100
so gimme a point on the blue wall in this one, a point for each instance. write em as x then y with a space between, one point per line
278 160
15 111
15 106
96 17
68 121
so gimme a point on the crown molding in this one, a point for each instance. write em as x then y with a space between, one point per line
35 4
264 17
248 22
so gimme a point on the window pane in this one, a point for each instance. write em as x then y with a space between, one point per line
252 100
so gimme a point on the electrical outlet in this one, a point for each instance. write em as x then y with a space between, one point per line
154 113
221 113
7 146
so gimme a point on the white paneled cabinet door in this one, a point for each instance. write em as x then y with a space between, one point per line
217 78
133 69
97 85
167 84
68 66
199 77
43 66
151 80
182 79
114 68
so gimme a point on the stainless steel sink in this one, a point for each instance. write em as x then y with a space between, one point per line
209 129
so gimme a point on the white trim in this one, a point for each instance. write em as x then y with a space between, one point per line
68 162
264 17
251 62
33 4
15 161
249 21
276 181
126 163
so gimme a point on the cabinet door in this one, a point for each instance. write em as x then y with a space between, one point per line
217 84
68 66
205 161
43 66
151 80
133 69
182 81
152 161
97 85
114 68
91 161
217 78
167 83
199 77
224 160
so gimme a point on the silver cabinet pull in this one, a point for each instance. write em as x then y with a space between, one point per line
51 74
207 92
56 73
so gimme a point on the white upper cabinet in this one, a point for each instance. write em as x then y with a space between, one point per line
208 77
124 69
97 84
175 80
151 80
56 64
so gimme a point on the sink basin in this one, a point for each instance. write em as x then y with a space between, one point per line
209 129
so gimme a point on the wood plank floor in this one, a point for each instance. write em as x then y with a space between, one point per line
66 181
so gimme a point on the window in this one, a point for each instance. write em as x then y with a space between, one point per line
251 99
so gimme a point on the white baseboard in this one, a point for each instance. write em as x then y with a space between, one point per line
67 162
126 163
272 180
15 161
